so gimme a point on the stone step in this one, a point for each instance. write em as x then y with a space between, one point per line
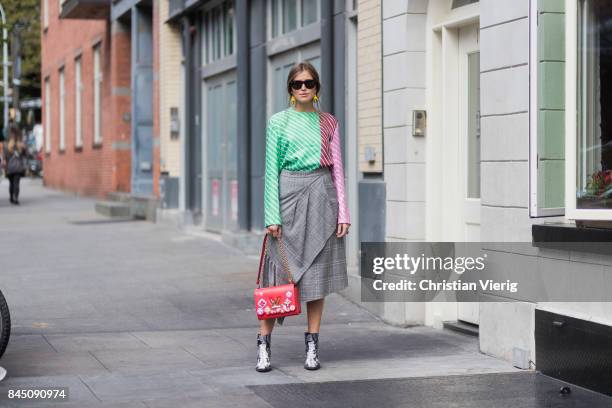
461 327
113 208
144 206
120 196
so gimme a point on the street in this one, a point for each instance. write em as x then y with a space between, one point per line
130 313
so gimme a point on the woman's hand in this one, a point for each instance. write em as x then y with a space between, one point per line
342 230
275 230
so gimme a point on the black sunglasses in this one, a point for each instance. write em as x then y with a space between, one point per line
297 85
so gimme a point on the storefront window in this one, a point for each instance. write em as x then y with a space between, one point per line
219 36
594 147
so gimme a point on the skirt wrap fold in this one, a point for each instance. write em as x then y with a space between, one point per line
316 257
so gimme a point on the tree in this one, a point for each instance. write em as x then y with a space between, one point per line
25 14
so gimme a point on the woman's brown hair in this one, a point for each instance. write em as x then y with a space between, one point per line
299 67
14 138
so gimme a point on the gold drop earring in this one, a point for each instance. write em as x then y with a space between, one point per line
292 100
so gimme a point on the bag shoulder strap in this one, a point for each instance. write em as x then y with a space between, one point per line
264 250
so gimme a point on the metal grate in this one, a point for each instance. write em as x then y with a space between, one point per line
574 350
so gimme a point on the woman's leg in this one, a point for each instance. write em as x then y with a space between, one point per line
266 326
11 178
16 187
315 311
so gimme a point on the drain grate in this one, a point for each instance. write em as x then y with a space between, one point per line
499 390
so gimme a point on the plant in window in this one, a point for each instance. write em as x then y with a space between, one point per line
600 184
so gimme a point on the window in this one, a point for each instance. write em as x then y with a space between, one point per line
289 15
47 128
594 144
78 89
219 33
589 98
97 85
45 13
62 109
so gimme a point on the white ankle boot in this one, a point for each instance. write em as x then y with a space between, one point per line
263 353
312 351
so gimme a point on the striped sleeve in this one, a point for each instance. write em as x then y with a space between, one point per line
272 171
337 174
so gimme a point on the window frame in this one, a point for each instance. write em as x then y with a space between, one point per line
62 108
78 100
48 118
46 13
208 23
97 94
571 131
280 18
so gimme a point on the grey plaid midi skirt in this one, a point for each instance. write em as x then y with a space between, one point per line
309 214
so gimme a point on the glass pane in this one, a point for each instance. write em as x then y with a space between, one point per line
231 169
289 15
279 97
309 11
473 121
229 29
275 15
214 155
594 147
316 62
205 39
216 22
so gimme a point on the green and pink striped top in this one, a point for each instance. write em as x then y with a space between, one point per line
302 141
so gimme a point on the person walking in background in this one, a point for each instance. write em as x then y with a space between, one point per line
305 202
15 162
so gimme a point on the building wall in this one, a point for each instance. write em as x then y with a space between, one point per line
156 27
93 169
505 214
403 73
170 57
369 74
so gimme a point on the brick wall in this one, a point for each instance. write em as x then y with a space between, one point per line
170 57
91 169
369 74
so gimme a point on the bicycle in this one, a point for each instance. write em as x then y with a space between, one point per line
5 324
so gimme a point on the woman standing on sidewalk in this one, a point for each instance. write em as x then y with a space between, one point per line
305 203
15 156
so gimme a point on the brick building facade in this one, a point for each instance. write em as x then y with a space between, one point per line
89 146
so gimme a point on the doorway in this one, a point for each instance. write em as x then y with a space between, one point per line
142 97
221 153
454 147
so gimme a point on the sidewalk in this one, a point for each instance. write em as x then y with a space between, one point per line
134 314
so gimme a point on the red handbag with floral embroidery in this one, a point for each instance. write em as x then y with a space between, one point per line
276 301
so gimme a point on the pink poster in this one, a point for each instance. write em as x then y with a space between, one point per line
234 199
215 196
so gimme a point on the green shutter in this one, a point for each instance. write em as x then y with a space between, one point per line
551 104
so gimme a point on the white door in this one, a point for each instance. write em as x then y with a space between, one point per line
469 148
